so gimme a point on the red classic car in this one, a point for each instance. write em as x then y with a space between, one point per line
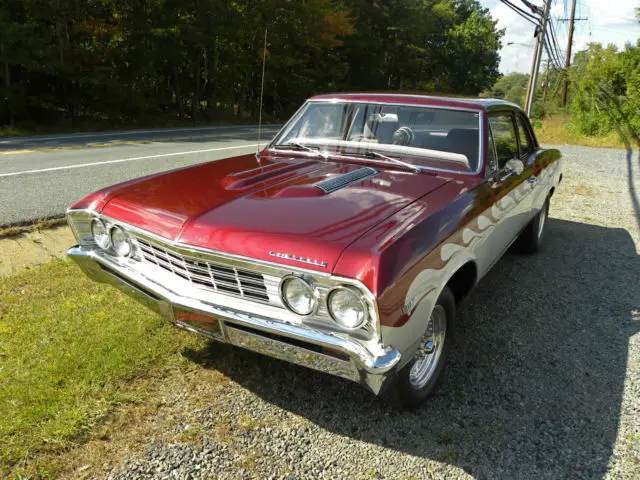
344 245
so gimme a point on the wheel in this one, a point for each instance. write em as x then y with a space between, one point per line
530 240
419 378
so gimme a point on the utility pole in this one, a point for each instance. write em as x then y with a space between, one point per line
567 62
537 56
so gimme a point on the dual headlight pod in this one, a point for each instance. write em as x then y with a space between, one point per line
299 295
347 307
344 303
111 238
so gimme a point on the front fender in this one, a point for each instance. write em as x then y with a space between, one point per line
421 297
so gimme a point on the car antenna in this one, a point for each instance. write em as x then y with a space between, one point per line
264 61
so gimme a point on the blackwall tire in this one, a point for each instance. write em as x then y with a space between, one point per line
410 391
532 237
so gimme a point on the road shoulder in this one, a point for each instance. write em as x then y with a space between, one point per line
27 250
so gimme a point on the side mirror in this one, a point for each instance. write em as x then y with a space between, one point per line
514 166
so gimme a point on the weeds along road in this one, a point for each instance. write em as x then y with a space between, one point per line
41 176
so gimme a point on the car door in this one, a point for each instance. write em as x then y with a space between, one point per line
511 189
529 151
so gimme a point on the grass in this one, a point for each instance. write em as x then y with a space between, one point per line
6 131
559 129
44 224
70 351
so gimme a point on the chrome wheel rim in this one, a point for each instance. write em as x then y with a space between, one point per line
427 357
542 220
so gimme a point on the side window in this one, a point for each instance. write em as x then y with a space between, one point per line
504 138
526 142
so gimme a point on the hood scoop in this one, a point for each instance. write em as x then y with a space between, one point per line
336 183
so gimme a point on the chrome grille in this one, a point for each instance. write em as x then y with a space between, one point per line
204 274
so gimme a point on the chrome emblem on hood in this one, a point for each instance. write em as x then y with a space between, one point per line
296 258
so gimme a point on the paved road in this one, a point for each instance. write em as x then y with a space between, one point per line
41 176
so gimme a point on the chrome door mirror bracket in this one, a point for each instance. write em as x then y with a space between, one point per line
513 167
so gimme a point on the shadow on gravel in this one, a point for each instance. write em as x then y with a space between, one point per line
534 387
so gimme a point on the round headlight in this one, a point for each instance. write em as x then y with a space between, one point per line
121 242
100 233
298 295
347 307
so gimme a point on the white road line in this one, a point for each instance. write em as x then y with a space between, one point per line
127 132
120 160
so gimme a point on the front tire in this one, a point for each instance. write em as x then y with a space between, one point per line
531 238
419 378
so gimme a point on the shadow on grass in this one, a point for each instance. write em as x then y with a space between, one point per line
534 386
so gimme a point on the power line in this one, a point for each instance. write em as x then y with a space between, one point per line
551 54
527 16
554 41
533 7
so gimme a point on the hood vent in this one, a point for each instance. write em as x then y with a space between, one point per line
341 181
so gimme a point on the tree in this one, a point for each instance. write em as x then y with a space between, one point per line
115 61
606 93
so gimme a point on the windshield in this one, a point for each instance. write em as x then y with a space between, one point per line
424 136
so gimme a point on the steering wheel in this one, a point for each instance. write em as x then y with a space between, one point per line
403 136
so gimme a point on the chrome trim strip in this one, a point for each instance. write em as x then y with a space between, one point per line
478 110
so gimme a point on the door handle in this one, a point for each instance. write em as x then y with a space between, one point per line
532 180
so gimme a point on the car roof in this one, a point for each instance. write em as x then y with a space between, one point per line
486 104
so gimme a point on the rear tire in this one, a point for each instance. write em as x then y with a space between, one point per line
531 238
418 379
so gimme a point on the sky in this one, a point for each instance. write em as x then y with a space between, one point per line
608 21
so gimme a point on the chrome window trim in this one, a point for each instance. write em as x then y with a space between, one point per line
520 117
490 170
481 130
324 279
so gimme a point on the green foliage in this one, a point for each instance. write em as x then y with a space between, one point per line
66 61
605 93
512 87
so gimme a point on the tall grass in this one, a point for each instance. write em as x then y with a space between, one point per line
560 129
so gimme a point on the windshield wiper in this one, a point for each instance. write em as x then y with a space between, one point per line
372 154
301 146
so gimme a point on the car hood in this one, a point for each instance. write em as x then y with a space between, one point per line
273 211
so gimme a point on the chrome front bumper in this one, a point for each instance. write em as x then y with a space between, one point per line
301 345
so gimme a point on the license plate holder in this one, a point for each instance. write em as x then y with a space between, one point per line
199 322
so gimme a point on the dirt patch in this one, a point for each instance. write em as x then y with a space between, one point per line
584 191
27 250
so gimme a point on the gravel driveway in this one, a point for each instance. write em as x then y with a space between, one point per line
544 381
